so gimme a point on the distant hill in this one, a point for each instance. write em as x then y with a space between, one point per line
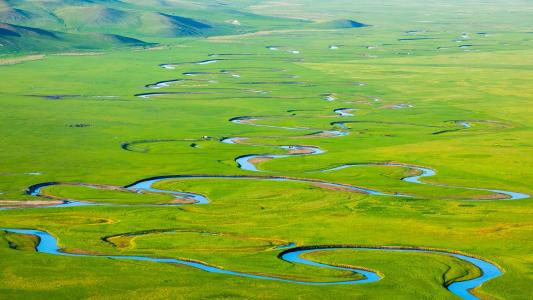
111 22
100 18
52 25
340 24
90 16
162 24
15 38
14 15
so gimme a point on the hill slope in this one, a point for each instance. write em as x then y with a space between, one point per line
115 23
15 38
340 24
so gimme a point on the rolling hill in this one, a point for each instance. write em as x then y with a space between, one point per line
340 24
16 39
52 25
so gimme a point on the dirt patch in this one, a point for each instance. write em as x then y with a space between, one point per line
323 134
337 188
27 204
410 172
258 160
240 141
493 196
104 187
300 151
18 60
180 201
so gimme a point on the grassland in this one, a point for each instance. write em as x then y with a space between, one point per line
44 102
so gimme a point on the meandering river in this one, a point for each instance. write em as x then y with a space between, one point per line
290 252
49 245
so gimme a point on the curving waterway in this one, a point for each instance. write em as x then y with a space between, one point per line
248 162
427 172
147 185
48 244
172 66
344 112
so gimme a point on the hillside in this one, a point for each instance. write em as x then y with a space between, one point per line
15 39
340 24
133 20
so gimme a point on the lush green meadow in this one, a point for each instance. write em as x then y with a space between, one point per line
66 118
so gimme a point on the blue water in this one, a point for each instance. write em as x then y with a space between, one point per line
168 66
249 120
162 84
287 246
427 172
335 133
146 185
242 120
244 162
343 112
173 65
330 98
153 94
205 62
465 124
342 125
48 244
460 288
232 140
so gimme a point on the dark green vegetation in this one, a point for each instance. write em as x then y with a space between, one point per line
52 25
68 117
30 39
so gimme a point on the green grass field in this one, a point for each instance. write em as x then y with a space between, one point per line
66 118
